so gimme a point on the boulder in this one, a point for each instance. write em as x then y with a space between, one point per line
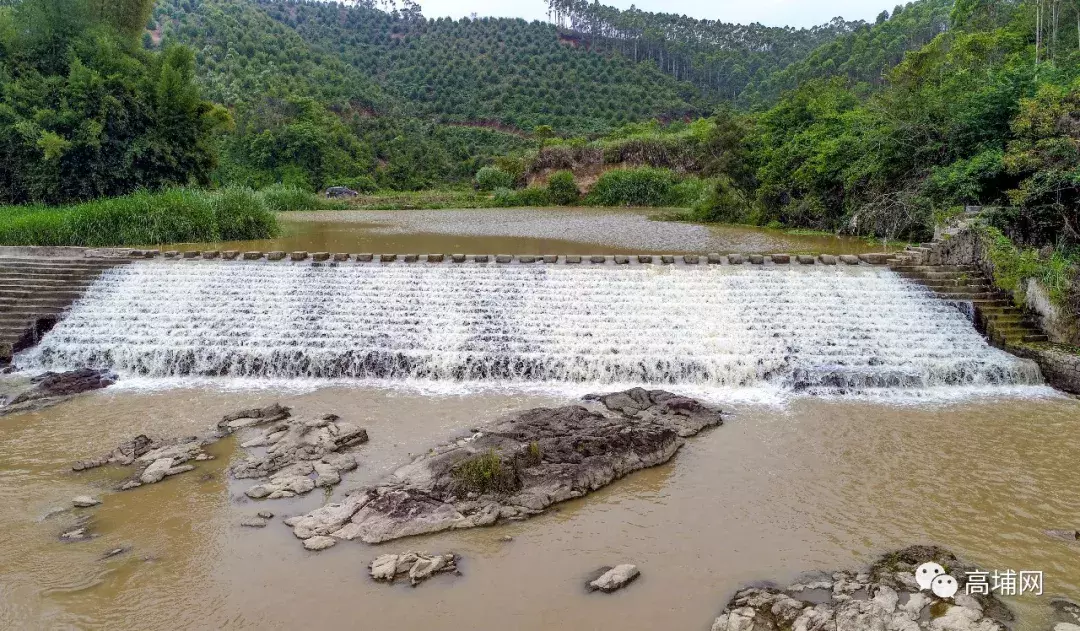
612 579
50 388
417 566
85 501
316 544
519 467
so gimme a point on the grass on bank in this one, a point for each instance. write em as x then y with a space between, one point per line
144 218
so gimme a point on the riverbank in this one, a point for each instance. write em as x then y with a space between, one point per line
148 218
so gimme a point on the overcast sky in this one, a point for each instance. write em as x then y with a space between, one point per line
769 12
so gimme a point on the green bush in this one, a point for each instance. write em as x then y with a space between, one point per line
562 189
142 218
365 184
492 178
723 202
281 198
241 214
507 198
635 187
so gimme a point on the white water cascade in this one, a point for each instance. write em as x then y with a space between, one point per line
795 328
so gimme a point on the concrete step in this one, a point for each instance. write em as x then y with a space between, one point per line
934 268
34 312
954 295
30 303
27 277
59 291
18 260
1032 339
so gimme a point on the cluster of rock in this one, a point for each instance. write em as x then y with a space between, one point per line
1066 615
154 460
517 468
887 598
50 388
294 449
416 566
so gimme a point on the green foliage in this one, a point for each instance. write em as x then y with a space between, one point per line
85 113
725 203
485 474
532 196
562 190
716 57
1013 266
491 178
1045 157
644 186
142 218
281 198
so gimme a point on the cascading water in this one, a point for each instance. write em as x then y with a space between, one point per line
796 328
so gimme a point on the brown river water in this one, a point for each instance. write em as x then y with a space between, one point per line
529 231
779 489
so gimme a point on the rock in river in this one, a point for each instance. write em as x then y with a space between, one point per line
418 566
887 598
84 501
518 467
612 579
50 388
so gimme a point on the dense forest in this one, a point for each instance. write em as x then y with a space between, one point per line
869 128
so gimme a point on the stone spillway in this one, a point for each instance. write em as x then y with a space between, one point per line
35 292
802 326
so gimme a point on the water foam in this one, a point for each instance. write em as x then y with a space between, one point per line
819 330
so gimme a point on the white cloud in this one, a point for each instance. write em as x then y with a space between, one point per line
771 12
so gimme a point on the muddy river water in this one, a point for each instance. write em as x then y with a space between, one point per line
780 489
790 483
530 231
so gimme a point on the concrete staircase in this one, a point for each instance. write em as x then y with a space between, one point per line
35 293
996 315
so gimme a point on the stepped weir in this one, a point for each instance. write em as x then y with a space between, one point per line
798 323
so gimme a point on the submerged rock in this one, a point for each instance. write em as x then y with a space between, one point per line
50 388
886 598
1064 535
518 468
253 522
417 566
612 579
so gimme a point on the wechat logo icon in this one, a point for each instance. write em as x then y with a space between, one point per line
933 577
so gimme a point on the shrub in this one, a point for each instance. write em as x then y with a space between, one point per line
562 189
724 202
364 184
143 218
485 473
507 198
492 178
635 187
240 214
281 198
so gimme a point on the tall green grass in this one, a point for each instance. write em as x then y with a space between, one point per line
143 218
644 186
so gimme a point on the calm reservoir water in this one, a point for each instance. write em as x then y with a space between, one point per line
529 231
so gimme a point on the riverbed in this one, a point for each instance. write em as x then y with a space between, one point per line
783 487
530 231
